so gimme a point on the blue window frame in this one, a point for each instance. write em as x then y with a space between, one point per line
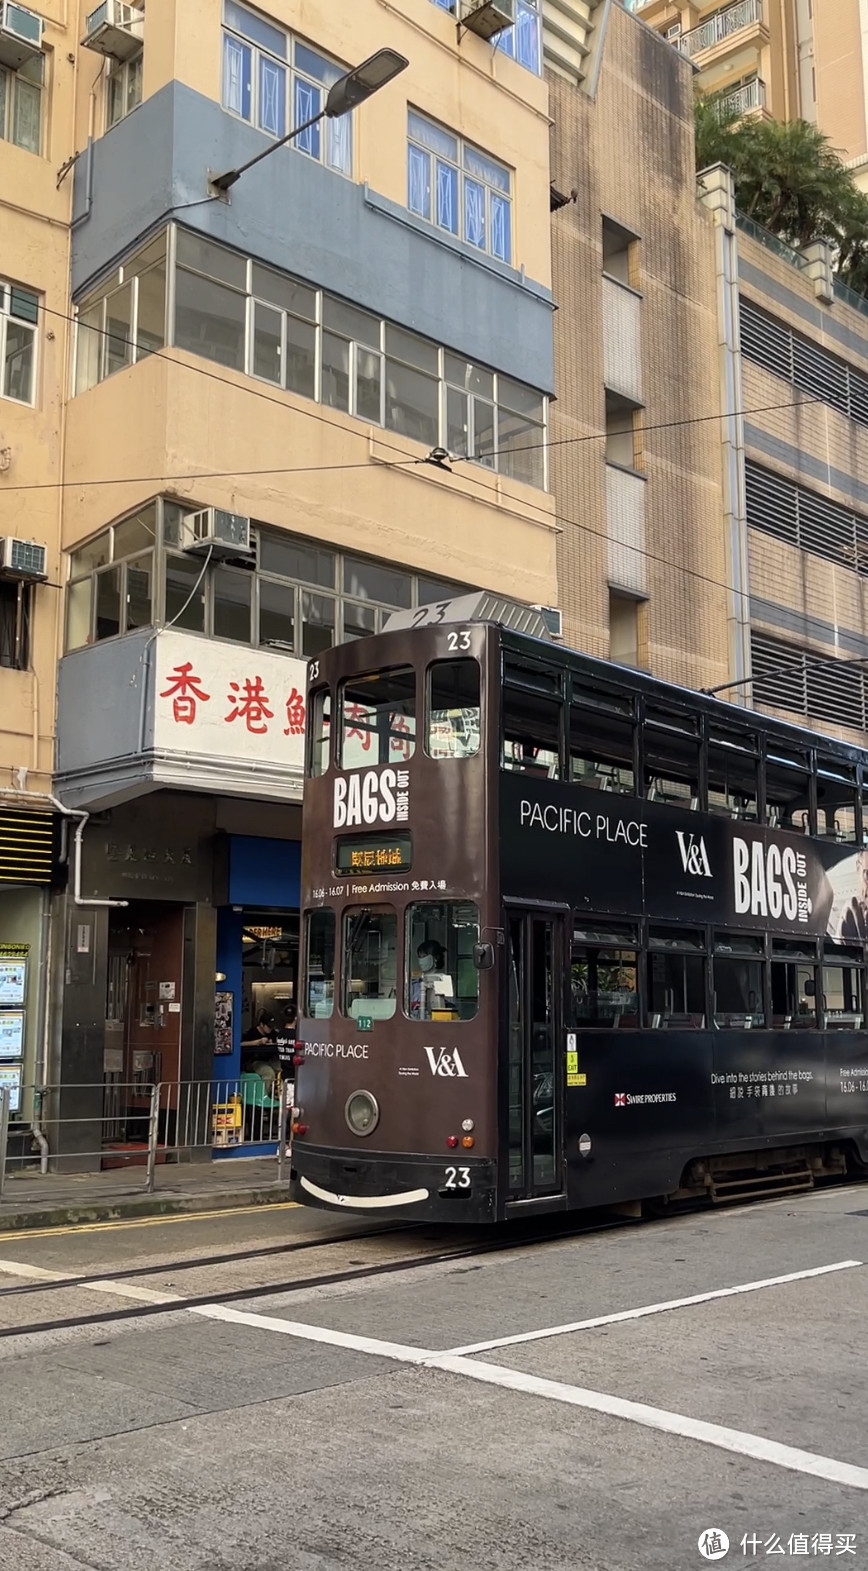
458 188
275 82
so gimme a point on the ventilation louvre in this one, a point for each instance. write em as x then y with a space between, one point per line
812 687
780 507
823 376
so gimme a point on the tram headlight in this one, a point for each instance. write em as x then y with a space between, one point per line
362 1113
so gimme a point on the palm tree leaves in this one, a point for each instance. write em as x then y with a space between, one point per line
788 178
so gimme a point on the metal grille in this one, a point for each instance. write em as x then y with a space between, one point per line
787 677
803 518
814 370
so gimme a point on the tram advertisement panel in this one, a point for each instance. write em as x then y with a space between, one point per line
622 854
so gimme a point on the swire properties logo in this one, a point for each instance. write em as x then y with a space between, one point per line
694 857
629 1099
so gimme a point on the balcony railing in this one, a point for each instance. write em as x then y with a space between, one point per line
751 96
722 25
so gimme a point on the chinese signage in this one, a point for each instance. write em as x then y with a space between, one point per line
357 854
229 701
13 974
12 1033
10 1080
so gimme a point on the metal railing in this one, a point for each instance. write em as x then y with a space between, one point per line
751 96
720 26
91 1128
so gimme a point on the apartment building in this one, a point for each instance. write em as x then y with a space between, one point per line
217 415
788 59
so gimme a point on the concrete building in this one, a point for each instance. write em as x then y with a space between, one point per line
789 59
637 462
225 463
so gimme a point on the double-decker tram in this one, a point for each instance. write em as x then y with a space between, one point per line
571 936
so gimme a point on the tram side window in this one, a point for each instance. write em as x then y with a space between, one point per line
319 993
671 762
531 733
601 751
454 710
441 983
378 718
794 993
676 980
604 978
836 802
732 777
370 962
738 981
788 795
843 1005
320 731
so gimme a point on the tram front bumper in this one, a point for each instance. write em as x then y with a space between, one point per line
414 1188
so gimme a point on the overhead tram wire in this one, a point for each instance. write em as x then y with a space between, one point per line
546 518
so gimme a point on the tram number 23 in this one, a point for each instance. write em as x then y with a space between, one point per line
457 1178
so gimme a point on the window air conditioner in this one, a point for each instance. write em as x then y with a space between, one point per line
552 619
212 529
22 559
673 32
487 18
115 29
20 34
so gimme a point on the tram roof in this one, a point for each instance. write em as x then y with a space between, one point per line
529 630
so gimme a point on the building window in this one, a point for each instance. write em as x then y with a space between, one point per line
265 324
297 595
124 90
124 320
460 189
21 104
620 253
623 436
521 42
19 314
276 82
15 604
625 615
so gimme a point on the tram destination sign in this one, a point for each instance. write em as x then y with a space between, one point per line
620 854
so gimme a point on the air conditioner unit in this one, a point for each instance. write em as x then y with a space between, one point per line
673 32
487 18
22 559
216 531
115 29
20 34
553 620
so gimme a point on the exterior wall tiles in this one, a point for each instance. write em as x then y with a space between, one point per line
629 154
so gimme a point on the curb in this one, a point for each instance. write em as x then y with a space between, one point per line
142 1206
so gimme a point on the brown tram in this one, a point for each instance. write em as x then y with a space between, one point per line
571 936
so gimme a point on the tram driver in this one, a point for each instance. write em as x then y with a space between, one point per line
433 989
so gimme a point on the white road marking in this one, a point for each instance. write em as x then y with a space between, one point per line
649 1309
738 1441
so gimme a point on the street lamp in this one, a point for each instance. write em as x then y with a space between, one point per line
345 94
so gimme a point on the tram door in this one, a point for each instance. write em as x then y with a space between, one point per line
534 1136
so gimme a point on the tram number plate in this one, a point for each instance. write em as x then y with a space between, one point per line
455 1179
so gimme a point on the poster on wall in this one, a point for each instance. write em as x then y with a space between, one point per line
12 1033
13 979
10 1080
223 1023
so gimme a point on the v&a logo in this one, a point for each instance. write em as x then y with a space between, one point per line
694 857
448 1065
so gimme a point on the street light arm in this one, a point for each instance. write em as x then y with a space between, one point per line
224 181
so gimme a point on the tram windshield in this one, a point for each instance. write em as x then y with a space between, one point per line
442 982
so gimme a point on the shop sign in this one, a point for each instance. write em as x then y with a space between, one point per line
11 1076
228 701
12 1033
13 974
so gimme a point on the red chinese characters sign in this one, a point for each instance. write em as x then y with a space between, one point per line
227 702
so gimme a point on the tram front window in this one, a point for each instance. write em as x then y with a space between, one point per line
378 718
442 982
370 962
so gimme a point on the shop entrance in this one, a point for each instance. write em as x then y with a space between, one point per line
269 982
143 1014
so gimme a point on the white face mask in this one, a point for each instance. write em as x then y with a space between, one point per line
426 962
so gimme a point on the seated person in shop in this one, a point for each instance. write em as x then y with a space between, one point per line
433 989
262 1036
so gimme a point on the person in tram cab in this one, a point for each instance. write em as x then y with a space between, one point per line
433 989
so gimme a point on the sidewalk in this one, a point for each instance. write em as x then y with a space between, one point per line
60 1199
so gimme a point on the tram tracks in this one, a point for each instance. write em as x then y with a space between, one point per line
176 1304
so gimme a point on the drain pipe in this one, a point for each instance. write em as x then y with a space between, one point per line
36 1128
